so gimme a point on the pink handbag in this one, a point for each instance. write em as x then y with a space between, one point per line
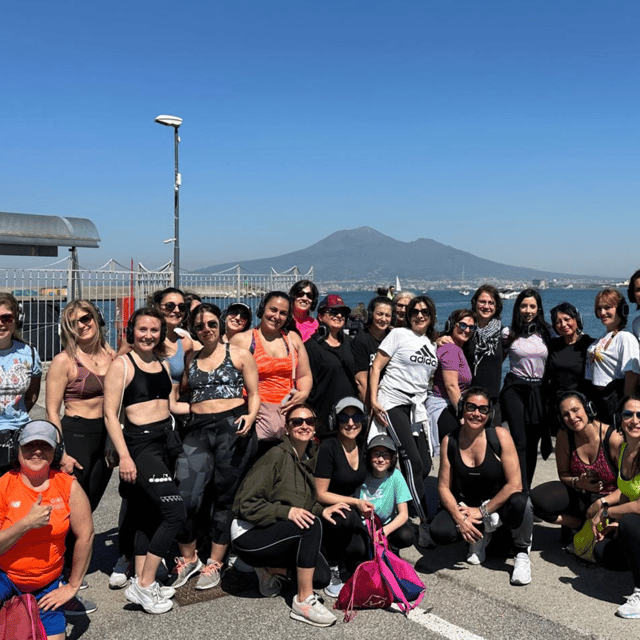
379 582
20 619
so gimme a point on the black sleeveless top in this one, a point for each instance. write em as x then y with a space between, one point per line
474 485
146 386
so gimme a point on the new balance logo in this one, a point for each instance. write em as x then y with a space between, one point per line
423 356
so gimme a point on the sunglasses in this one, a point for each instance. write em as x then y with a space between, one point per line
305 294
336 311
298 422
212 324
7 318
171 306
243 314
417 312
386 455
465 326
627 414
482 408
87 318
343 418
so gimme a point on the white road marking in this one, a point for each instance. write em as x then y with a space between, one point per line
441 627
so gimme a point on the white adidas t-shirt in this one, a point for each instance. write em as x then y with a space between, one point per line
412 365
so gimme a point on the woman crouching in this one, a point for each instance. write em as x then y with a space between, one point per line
278 526
480 487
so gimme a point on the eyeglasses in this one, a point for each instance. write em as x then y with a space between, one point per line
482 408
417 312
343 418
212 324
336 311
627 414
386 455
171 306
298 422
465 326
305 294
87 318
7 318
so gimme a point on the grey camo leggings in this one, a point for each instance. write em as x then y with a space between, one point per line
213 452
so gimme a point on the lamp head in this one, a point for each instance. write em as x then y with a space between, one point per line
168 121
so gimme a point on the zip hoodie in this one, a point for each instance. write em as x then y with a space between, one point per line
275 483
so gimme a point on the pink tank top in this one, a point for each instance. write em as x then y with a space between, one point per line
600 466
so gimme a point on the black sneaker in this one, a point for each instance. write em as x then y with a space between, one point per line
79 607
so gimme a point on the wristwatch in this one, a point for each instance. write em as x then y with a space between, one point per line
604 503
605 513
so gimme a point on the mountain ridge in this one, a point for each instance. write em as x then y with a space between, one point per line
364 253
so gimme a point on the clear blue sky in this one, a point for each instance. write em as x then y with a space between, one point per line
507 129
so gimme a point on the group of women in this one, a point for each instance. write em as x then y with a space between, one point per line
217 428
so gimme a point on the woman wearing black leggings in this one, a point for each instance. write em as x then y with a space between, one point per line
140 382
278 520
408 358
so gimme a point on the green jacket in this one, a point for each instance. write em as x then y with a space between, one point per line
275 483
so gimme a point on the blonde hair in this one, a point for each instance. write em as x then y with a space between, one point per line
68 335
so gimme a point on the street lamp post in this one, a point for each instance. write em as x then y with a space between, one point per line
175 122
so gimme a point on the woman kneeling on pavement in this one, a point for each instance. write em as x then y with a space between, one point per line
620 511
38 505
278 524
586 457
480 487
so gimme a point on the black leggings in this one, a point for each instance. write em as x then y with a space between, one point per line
84 440
147 447
516 513
212 450
622 553
553 499
285 545
413 452
526 435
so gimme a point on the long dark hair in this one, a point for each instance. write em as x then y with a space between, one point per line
521 329
621 405
631 290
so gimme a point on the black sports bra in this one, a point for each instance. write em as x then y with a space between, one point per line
146 386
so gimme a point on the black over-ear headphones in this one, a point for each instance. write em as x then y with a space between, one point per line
589 407
623 309
14 445
144 312
334 423
101 320
275 294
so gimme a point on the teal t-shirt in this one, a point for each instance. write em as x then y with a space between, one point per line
385 493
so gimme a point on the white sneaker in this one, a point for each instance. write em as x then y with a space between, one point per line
334 587
521 570
120 574
268 584
311 611
477 552
631 608
149 598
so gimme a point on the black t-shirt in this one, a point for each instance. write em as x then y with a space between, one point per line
332 463
565 367
333 377
364 348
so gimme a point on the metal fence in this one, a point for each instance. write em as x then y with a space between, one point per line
118 290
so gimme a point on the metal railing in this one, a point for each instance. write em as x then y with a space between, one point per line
118 290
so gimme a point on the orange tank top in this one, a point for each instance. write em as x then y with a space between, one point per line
275 375
36 559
